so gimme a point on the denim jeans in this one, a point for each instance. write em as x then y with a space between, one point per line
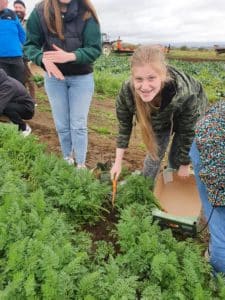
217 221
70 100
151 167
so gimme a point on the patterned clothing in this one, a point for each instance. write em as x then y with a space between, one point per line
210 140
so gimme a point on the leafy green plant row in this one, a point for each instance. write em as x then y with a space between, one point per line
45 254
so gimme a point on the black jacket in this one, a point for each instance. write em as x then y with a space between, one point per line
11 90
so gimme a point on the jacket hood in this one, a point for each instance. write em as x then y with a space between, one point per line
3 76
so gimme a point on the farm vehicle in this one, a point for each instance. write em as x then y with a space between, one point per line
219 50
115 46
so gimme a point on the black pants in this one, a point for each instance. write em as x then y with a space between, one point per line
14 67
18 111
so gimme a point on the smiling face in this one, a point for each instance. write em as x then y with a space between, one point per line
147 81
19 8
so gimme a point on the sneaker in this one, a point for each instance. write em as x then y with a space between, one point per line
81 167
27 131
69 160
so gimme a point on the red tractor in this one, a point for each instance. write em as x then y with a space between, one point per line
115 46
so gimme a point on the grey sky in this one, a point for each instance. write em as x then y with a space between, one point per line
160 21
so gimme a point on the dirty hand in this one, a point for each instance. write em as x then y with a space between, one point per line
184 171
115 171
52 69
59 56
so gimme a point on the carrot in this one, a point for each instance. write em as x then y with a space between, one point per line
114 189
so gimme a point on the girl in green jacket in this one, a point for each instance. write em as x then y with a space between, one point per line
63 37
167 103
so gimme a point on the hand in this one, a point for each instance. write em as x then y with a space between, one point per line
115 171
184 171
59 55
52 69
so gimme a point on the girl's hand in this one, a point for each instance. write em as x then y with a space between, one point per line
52 69
184 171
115 171
59 56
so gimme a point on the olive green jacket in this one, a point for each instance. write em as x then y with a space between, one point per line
183 102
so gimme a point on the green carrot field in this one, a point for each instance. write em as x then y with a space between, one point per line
60 237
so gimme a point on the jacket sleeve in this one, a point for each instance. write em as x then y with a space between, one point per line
184 126
92 47
34 41
124 116
6 94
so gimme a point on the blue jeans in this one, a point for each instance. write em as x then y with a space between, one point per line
70 100
217 221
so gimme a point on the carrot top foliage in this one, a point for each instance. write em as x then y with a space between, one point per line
46 254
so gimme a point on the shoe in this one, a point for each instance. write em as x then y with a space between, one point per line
27 131
81 167
69 160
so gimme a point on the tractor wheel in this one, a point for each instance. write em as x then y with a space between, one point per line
106 49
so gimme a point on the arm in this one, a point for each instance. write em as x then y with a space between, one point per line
87 54
117 167
33 47
185 122
35 39
6 94
125 118
92 44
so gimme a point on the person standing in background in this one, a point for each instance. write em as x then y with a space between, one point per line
63 37
20 10
12 38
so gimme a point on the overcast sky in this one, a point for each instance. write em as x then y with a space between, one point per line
160 21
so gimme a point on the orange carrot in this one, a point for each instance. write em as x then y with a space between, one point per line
114 186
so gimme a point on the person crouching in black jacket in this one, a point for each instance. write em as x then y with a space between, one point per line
15 102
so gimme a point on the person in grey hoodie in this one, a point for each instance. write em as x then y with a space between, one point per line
15 102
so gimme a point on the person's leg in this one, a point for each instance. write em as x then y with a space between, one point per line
5 66
17 70
14 67
151 167
57 91
217 219
15 113
81 89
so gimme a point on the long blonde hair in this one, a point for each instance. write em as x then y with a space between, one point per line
154 56
52 15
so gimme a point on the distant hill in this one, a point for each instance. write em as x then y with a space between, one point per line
207 45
